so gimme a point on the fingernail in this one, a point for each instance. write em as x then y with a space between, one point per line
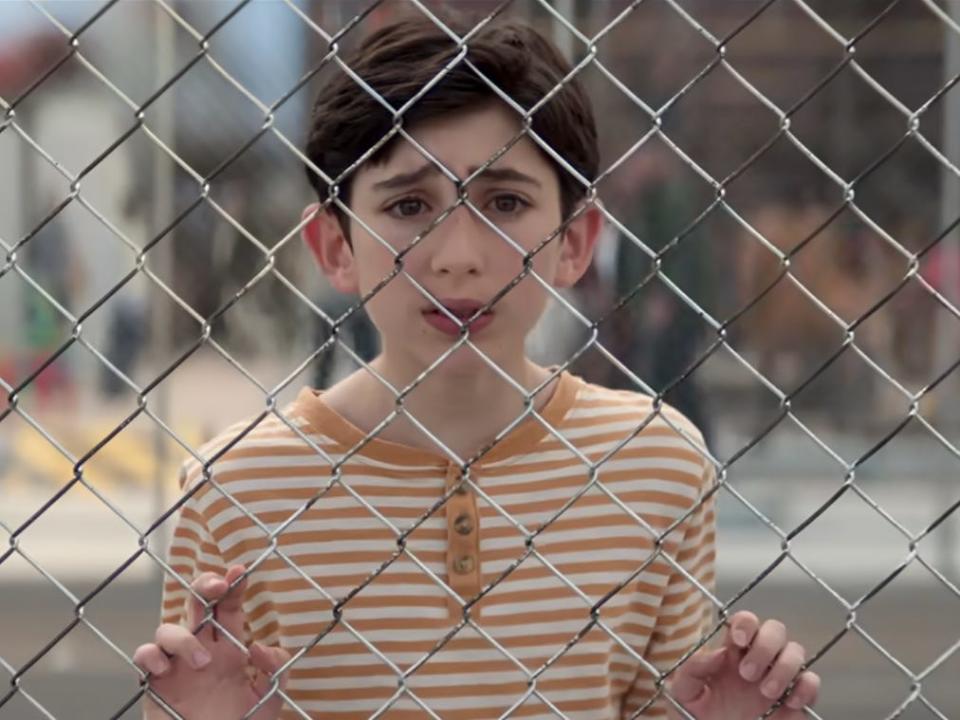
748 671
158 667
794 702
200 659
771 690
739 637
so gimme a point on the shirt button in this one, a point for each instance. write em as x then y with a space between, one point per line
463 524
464 565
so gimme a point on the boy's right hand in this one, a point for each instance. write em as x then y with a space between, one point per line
230 682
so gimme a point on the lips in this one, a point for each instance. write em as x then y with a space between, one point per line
463 310
462 314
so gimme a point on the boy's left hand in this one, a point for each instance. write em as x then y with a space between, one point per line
719 685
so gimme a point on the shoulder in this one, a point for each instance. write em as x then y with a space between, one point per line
640 422
600 401
246 442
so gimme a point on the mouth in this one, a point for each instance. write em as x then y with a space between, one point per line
463 309
462 315
464 312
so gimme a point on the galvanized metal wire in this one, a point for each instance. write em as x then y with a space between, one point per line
913 130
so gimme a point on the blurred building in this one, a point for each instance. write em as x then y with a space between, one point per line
665 64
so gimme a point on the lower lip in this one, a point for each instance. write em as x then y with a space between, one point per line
445 325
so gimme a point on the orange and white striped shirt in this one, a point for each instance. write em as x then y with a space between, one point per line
575 607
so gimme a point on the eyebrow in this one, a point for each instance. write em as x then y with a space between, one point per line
402 180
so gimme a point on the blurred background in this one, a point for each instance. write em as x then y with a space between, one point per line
151 134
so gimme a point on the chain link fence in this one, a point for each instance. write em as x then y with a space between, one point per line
807 250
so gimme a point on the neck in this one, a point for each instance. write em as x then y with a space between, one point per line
463 410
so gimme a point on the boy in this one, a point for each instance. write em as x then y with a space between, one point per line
461 560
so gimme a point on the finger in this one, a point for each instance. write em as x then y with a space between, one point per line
784 670
227 602
743 628
181 644
768 643
150 658
267 660
230 613
208 586
692 677
805 692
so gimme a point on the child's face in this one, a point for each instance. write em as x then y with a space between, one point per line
461 258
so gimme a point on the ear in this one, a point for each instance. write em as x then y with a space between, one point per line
576 250
322 233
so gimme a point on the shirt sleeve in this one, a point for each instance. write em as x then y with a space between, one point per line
686 613
192 551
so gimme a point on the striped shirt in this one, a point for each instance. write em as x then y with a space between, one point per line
544 579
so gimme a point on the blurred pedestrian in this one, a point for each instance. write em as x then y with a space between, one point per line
48 259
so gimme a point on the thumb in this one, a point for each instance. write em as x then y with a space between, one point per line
692 678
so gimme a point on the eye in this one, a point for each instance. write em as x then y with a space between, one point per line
509 203
406 207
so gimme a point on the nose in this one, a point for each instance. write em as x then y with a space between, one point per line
458 246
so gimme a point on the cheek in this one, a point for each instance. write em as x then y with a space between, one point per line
396 234
375 261
545 266
528 300
393 304
545 262
529 296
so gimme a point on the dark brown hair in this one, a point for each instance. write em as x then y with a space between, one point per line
400 59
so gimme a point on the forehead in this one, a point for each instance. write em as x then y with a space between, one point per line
463 141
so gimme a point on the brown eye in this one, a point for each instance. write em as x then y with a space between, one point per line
508 203
407 207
